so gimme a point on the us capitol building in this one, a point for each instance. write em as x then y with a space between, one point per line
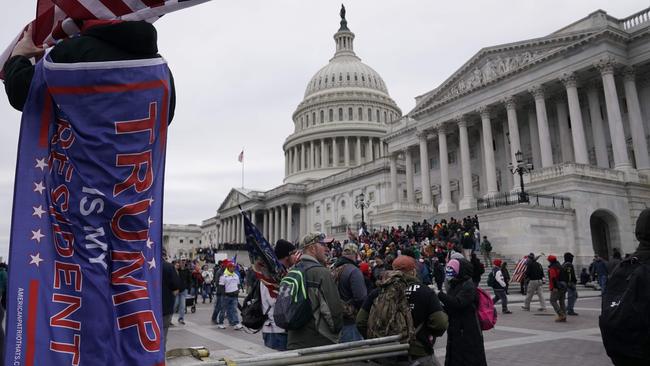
574 104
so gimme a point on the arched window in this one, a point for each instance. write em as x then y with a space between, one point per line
350 114
322 116
340 77
369 114
385 116
360 114
378 120
363 78
348 76
355 77
307 116
313 117
331 115
340 114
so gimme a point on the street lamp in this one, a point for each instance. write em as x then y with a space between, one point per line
361 203
521 168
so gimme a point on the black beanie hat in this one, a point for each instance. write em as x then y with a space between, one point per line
568 257
283 248
642 229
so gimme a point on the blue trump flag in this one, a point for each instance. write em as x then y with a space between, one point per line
85 272
262 256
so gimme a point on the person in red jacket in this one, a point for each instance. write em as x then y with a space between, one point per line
557 285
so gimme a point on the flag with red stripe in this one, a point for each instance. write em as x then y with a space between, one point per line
60 19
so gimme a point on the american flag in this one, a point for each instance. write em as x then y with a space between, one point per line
59 19
240 158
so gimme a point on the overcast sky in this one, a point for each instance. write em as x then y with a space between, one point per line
241 68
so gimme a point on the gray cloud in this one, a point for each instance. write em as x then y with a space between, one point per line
241 69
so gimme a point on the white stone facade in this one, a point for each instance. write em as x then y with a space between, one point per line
576 103
182 240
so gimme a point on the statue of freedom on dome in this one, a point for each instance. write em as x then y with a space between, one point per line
342 13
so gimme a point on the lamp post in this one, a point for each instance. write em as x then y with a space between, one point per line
361 203
521 168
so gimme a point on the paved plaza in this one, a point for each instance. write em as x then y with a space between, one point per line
521 338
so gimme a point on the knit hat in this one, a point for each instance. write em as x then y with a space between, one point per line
531 256
455 265
568 257
497 262
350 249
283 248
642 230
404 263
456 255
551 258
365 268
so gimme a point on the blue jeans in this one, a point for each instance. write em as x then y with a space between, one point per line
206 291
572 296
276 341
230 305
602 282
349 333
180 304
218 314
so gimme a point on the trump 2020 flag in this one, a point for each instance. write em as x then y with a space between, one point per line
85 272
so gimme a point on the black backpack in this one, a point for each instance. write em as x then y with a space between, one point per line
253 315
292 307
492 280
625 317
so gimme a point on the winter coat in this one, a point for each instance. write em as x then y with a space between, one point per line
464 336
326 306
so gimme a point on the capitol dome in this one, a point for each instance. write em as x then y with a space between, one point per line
345 112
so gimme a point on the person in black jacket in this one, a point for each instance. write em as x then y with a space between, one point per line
477 269
534 275
464 335
186 285
572 291
98 41
171 283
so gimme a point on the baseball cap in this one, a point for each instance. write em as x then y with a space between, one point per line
283 248
350 249
311 238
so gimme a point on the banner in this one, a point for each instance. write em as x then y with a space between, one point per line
86 235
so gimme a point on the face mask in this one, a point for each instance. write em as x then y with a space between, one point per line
450 273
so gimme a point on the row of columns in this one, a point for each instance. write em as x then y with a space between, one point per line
315 154
276 224
573 144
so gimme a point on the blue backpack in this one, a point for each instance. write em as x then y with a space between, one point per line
292 307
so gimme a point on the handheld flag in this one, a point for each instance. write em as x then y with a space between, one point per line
86 234
262 256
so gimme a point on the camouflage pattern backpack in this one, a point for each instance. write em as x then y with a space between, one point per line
390 313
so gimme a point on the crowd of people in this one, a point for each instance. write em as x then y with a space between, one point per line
419 281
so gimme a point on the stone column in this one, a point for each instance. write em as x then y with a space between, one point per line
283 222
619 147
346 151
271 236
358 151
226 237
468 200
393 179
276 222
303 146
312 155
513 128
335 153
636 121
295 159
534 138
542 126
235 233
303 222
369 150
265 225
286 163
580 153
488 152
289 216
424 165
323 154
241 228
253 217
445 205
410 190
597 128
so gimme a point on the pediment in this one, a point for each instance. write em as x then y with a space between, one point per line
235 198
492 64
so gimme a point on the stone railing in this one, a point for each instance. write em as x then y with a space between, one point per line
635 20
404 206
350 173
285 188
565 169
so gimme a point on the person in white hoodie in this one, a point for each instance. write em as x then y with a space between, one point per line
274 336
498 284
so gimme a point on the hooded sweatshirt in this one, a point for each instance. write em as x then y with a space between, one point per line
642 232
